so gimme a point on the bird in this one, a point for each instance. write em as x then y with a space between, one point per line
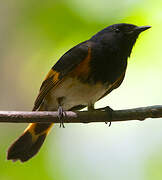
83 75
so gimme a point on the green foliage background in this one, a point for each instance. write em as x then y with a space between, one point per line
33 35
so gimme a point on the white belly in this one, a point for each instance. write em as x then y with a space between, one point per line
74 93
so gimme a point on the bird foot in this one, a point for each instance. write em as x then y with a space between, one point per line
61 115
109 112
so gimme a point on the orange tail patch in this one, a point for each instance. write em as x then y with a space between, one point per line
29 143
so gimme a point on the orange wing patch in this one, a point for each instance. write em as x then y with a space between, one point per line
53 73
51 81
83 69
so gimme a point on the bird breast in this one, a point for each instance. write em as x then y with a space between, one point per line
72 92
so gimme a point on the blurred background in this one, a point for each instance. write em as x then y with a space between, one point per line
33 35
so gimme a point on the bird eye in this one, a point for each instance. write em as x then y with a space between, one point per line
116 30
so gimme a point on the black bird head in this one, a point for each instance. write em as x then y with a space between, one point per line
120 36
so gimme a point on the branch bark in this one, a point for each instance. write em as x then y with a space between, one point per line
81 116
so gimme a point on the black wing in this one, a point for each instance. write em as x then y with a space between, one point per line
64 65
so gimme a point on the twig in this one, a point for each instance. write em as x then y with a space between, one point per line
81 116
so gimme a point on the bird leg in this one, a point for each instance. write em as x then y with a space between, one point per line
61 112
106 109
91 107
61 115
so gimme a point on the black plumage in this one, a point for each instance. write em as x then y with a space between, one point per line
82 76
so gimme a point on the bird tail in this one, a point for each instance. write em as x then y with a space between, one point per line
29 143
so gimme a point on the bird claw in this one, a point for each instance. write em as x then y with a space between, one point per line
109 123
110 112
61 115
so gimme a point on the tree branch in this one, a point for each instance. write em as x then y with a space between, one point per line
81 116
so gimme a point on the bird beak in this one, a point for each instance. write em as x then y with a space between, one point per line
140 29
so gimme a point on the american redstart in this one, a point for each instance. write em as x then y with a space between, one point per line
83 75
